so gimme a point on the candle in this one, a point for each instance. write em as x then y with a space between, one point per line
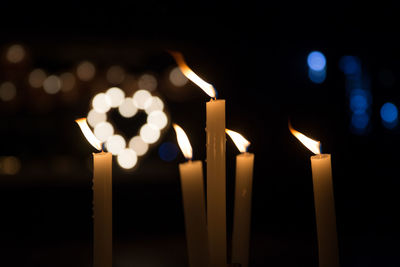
216 167
242 204
328 255
192 184
102 200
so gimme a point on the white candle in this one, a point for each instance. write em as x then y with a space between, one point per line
192 185
242 204
324 203
102 200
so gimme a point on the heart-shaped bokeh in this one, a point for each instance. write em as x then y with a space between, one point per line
127 151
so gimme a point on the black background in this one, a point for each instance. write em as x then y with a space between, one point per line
255 55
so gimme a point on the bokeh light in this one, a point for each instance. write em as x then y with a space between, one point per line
127 158
389 114
100 103
350 65
67 81
317 76
115 144
52 84
149 133
148 82
138 145
15 53
115 75
115 96
127 109
140 98
168 151
158 119
94 117
36 78
103 131
85 71
8 91
359 101
152 104
316 61
360 121
10 165
177 78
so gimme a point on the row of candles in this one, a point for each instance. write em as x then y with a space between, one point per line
205 219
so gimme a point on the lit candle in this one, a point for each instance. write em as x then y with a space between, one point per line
192 184
216 169
328 254
102 200
242 205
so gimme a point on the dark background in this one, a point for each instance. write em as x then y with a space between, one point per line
255 55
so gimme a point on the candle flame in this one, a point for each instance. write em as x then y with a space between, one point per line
241 143
92 139
183 142
314 146
207 88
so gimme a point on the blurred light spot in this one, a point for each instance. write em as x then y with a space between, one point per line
100 103
177 78
10 165
140 97
387 78
127 109
115 96
168 151
359 101
317 76
389 112
36 78
138 145
15 53
115 144
67 81
350 65
158 118
127 158
316 61
148 82
149 133
8 91
85 71
103 131
115 75
152 104
94 117
360 121
52 84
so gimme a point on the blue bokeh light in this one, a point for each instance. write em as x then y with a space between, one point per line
317 76
350 65
359 101
389 113
316 61
168 151
360 121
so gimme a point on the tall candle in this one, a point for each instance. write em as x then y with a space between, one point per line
102 200
328 255
192 185
216 167
242 202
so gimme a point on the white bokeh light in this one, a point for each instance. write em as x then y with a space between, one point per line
158 119
127 109
100 103
149 133
152 104
115 144
36 78
148 82
138 145
52 84
103 131
127 158
85 71
115 96
8 91
94 117
140 97
115 74
177 78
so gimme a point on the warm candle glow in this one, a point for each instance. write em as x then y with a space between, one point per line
88 133
183 142
207 88
314 146
241 143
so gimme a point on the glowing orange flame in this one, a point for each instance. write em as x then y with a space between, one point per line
207 88
314 146
92 139
183 142
241 143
